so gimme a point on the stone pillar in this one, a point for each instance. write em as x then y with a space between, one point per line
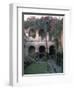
47 36
37 40
37 35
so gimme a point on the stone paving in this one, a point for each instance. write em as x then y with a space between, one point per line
54 68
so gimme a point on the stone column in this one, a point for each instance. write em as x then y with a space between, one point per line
36 40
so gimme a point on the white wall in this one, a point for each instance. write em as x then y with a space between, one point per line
4 44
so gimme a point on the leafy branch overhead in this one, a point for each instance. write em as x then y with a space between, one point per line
49 24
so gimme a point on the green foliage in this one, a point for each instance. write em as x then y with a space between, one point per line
37 23
56 33
36 68
53 26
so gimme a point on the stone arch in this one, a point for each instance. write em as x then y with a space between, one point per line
42 33
41 49
31 50
32 33
52 50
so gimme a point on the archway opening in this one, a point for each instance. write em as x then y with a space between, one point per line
52 50
32 33
41 51
42 33
31 50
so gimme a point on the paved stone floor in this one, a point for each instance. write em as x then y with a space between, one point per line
54 68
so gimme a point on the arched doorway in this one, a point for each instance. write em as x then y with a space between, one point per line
42 33
52 50
41 51
32 33
31 50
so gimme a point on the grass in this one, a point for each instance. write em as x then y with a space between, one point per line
36 68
